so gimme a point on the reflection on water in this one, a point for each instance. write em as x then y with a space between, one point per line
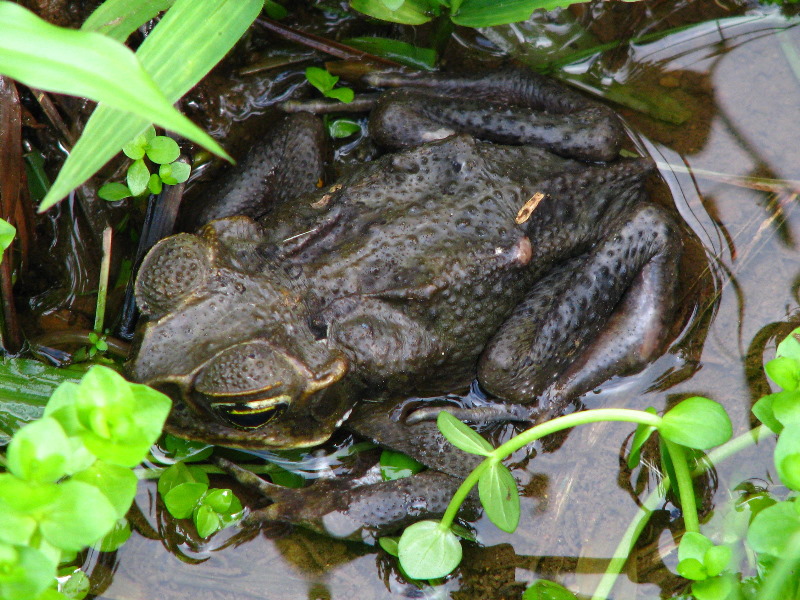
732 84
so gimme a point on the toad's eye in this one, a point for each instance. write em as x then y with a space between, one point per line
248 415
170 272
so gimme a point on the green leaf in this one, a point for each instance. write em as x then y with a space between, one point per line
343 94
174 173
275 10
696 423
180 473
39 452
412 12
115 538
716 588
184 498
163 150
773 528
389 545
642 434
135 148
790 346
717 559
787 456
76 587
762 409
205 31
392 4
693 545
206 520
427 552
547 590
7 233
186 450
784 371
138 176
691 568
499 497
786 407
154 184
119 18
116 483
218 499
342 128
488 13
26 572
79 517
462 436
402 52
321 79
396 465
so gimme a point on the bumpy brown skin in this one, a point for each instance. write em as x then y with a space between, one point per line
413 274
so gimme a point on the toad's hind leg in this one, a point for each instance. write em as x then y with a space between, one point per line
287 162
602 314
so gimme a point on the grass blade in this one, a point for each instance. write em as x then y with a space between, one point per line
119 18
189 40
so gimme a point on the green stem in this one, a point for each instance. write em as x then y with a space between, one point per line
531 435
683 479
625 546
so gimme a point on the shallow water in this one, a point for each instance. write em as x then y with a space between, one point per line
735 84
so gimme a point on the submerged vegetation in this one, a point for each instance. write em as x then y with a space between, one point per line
68 479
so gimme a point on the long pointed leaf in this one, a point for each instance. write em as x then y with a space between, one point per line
189 40
119 18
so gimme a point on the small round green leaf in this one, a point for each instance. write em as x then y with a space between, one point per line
206 520
24 572
772 529
396 465
389 545
790 346
547 590
717 559
715 588
691 568
115 538
116 483
174 173
138 176
180 473
76 587
218 499
342 128
79 517
784 371
462 436
182 499
135 148
163 150
154 184
7 233
321 79
694 545
787 456
786 407
427 552
762 409
696 423
39 451
343 94
499 497
186 450
275 10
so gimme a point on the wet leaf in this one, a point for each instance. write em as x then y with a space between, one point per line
397 50
389 545
206 520
411 12
115 538
784 371
138 176
787 456
182 499
487 13
772 529
547 590
642 434
396 465
163 150
119 18
762 409
427 552
174 173
462 436
499 497
696 423
342 128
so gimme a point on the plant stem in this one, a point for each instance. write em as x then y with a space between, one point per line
683 479
534 433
